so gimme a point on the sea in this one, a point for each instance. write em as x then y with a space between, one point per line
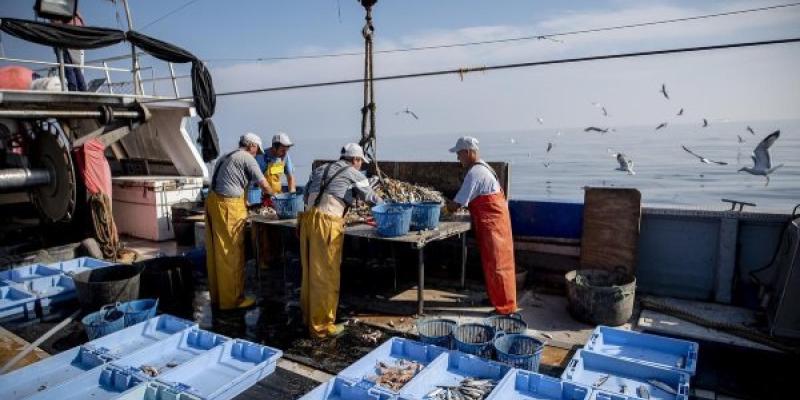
666 175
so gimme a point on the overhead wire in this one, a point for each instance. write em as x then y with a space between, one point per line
159 19
511 39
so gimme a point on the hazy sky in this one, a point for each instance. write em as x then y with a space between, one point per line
745 84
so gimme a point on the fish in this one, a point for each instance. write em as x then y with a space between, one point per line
600 381
662 386
642 392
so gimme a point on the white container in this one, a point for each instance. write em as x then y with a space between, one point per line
199 234
142 204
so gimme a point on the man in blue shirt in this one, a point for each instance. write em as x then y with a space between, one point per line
276 162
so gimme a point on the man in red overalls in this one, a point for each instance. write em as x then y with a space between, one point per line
482 194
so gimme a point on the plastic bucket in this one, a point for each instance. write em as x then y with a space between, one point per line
474 339
512 323
107 320
519 351
392 220
600 297
253 196
170 280
437 331
138 310
116 283
425 215
287 205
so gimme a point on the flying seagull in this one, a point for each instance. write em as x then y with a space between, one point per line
549 146
762 162
596 129
705 123
546 164
703 159
661 125
601 107
740 138
541 120
749 129
625 164
513 141
407 111
680 112
664 91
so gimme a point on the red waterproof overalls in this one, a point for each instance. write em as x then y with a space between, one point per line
492 226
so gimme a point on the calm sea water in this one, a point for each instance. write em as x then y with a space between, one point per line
665 174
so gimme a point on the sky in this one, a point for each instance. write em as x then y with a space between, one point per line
755 84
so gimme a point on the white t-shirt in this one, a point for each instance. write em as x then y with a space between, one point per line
479 181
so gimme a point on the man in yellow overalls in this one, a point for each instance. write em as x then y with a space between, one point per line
276 162
330 190
226 216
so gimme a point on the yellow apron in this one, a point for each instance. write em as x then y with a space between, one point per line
225 223
321 241
273 174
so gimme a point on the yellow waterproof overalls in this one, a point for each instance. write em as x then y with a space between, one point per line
225 223
273 173
321 241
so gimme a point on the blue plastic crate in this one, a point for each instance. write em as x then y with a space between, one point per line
342 389
590 369
224 371
526 385
51 291
449 369
80 264
660 351
253 196
26 273
106 382
16 304
69 364
391 352
287 205
173 351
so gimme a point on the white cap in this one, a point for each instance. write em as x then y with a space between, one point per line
353 150
465 143
251 138
283 139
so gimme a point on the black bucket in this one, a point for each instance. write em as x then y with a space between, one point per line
600 297
108 285
184 215
168 279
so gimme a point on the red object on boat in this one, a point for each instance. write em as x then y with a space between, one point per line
15 78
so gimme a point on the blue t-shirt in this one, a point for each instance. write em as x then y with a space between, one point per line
267 158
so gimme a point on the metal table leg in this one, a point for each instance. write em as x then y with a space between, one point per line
421 283
463 260
254 230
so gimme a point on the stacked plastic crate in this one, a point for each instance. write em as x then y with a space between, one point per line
620 364
36 290
162 358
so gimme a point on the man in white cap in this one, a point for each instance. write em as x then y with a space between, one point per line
330 190
226 214
276 162
482 193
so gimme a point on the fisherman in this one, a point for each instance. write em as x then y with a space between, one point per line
482 194
330 190
226 214
276 162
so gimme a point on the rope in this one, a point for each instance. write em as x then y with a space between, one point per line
105 230
368 136
733 329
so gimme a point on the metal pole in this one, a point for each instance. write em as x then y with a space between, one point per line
174 81
421 283
62 75
16 179
108 78
463 260
66 114
137 84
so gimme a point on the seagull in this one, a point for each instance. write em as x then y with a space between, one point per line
703 159
602 107
625 164
762 162
740 138
705 123
541 120
549 146
749 129
407 111
661 125
558 133
513 141
546 164
664 91
596 129
680 112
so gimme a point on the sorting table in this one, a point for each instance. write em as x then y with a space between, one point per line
417 240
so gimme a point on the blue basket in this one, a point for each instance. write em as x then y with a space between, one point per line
107 320
437 331
138 310
519 351
253 196
511 323
392 219
425 215
474 339
287 205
